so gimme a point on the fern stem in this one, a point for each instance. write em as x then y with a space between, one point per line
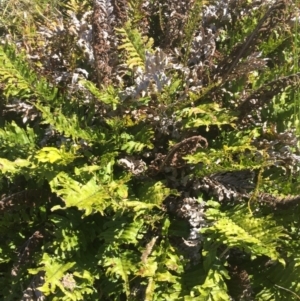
288 290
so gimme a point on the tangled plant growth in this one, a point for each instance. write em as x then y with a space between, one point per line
149 150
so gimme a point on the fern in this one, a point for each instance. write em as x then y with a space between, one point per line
89 197
136 13
17 142
57 278
192 24
134 45
109 96
98 201
54 273
13 167
285 281
238 228
117 266
237 153
52 154
207 115
144 136
20 81
69 126
214 287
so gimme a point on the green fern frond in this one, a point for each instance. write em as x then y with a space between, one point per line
59 282
76 6
54 272
214 287
108 96
239 228
229 158
196 97
134 45
122 230
140 140
207 115
135 11
20 80
132 147
90 197
120 267
69 126
154 193
12 167
138 207
285 281
55 155
16 142
192 24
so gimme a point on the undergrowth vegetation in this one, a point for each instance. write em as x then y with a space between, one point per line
149 150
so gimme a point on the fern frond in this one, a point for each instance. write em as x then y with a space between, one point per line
16 142
285 280
68 126
119 266
136 13
20 80
214 288
12 167
108 96
89 197
54 272
255 235
207 115
135 46
267 92
154 193
122 230
58 281
52 154
228 158
192 24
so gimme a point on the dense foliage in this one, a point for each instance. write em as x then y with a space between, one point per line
149 150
